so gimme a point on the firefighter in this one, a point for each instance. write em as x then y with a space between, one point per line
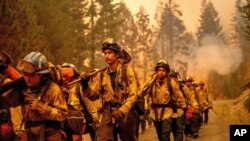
44 106
116 86
204 101
10 118
162 93
179 112
78 105
6 127
193 114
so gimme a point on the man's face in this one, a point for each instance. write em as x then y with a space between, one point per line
110 56
32 79
201 86
161 72
188 83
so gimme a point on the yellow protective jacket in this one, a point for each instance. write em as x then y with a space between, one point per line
190 97
159 94
193 98
55 100
203 99
74 100
124 94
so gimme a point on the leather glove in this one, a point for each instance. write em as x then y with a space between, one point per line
37 104
96 124
85 80
20 134
118 115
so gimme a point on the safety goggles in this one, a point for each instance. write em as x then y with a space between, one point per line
28 67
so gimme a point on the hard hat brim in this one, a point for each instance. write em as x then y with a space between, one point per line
28 67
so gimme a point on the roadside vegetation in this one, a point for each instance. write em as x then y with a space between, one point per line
234 111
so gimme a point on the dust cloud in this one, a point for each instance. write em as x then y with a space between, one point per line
214 55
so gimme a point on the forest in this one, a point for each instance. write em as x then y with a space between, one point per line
73 30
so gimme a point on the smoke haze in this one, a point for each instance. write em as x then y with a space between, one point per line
214 55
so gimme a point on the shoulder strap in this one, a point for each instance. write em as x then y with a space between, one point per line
124 73
102 90
79 96
172 102
195 93
182 91
170 88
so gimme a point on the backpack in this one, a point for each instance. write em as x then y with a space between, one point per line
74 123
78 121
139 104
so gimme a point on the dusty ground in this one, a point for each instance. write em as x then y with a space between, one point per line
215 130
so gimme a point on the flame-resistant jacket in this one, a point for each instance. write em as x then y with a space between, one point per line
74 100
124 94
203 98
192 98
53 97
160 94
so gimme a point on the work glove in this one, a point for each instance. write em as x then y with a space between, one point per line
37 104
117 115
85 80
96 124
20 134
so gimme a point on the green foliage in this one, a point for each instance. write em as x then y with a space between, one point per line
105 24
62 27
109 21
209 22
245 13
144 40
70 30
173 37
128 32
19 32
54 28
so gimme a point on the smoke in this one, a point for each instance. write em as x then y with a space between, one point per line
214 55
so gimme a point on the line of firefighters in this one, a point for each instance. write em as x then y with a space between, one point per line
46 102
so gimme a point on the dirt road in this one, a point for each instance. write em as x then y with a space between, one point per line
215 130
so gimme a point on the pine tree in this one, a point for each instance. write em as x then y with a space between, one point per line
78 11
238 39
92 14
62 27
209 22
144 39
19 31
173 36
128 34
109 21
106 25
245 13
